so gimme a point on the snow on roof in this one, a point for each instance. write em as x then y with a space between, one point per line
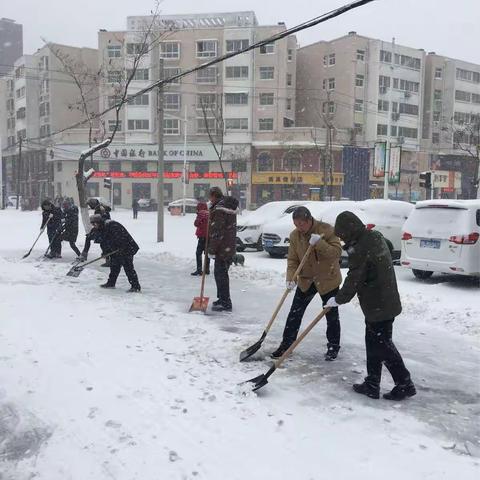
449 203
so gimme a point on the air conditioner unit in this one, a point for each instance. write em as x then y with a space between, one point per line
383 90
395 116
407 94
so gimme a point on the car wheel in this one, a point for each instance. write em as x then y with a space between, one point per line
259 245
422 274
240 248
276 255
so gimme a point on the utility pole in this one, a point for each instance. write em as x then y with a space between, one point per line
19 168
160 166
389 126
185 179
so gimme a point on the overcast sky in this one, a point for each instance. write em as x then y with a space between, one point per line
448 27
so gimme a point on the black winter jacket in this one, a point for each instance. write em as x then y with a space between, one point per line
222 232
55 223
114 236
70 215
371 275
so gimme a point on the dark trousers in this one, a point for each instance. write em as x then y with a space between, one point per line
301 300
199 252
381 350
135 213
116 264
74 248
222 280
55 240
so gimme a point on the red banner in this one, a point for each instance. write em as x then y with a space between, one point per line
167 175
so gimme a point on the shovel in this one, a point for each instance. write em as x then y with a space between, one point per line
38 236
262 380
247 353
76 270
200 304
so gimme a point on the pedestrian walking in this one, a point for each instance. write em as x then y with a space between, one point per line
116 238
371 276
320 274
135 207
70 226
201 222
54 227
222 244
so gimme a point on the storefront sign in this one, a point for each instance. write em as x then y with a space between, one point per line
395 165
167 175
379 159
284 178
447 180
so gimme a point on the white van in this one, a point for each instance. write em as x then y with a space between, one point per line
442 236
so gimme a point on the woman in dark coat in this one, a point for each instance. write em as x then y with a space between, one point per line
70 227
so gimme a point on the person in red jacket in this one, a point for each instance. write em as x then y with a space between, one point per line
201 222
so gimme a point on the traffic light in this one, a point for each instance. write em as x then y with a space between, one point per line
107 182
426 180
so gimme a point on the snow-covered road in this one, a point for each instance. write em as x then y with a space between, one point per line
99 384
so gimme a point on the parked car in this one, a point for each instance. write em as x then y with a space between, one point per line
102 200
190 205
147 205
442 236
250 224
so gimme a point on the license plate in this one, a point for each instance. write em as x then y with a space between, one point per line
429 243
269 243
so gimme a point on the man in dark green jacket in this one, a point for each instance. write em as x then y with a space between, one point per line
371 276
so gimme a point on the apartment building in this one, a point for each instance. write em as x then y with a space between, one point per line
248 95
371 87
11 44
451 123
38 98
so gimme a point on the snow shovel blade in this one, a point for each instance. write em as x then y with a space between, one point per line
262 380
75 271
27 254
199 304
248 352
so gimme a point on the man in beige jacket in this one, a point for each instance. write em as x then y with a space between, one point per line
320 274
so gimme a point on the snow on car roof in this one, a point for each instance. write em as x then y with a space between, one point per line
449 203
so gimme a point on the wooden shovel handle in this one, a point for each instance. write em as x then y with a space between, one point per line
287 291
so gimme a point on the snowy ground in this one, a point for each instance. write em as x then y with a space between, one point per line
102 385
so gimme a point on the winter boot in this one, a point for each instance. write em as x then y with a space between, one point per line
216 302
107 285
332 352
134 290
284 346
222 307
367 389
196 273
401 391
49 256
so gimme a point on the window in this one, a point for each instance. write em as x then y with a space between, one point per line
325 60
358 105
138 100
10 104
170 50
207 100
382 129
139 166
10 122
358 128
114 51
331 59
406 61
436 116
437 95
44 109
361 55
289 79
266 98
45 86
202 167
288 122
21 113
265 124
267 49
139 74
236 99
290 54
385 56
331 84
136 48
292 161
206 48
236 72
207 75
236 124
463 96
171 126
359 80
468 76
407 132
114 76
112 123
476 98
438 72
206 125
328 107
236 45
170 72
138 124
20 71
435 138
264 162
171 101
406 85
115 166
409 109
383 106
59 166
393 131
20 92
383 83
289 104
324 84
267 73
10 141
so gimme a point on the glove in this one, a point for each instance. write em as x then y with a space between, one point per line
290 285
331 303
315 238
50 216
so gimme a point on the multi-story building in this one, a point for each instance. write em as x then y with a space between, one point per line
39 98
11 44
451 123
372 88
220 108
